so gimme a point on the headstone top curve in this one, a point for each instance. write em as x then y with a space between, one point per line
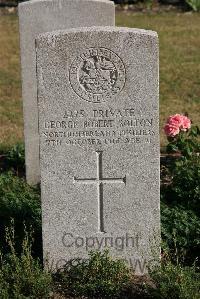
32 2
98 29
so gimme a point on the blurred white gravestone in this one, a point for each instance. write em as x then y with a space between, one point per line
38 16
99 144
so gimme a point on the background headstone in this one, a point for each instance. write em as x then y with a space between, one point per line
38 16
99 144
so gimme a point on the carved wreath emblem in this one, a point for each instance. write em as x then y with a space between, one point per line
97 75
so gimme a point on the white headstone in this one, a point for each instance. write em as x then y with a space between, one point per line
39 16
99 144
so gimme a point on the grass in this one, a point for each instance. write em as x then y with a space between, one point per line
11 120
179 68
179 60
21 276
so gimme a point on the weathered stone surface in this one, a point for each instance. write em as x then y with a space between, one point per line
99 143
38 16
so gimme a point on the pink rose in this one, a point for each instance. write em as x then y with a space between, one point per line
186 123
175 120
177 123
171 130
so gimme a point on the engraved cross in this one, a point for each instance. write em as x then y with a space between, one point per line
100 181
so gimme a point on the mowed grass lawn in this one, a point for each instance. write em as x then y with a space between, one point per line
179 35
